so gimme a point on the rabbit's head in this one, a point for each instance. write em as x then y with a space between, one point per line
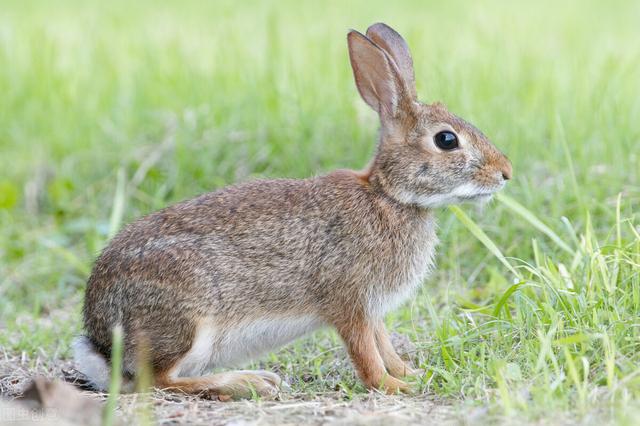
426 156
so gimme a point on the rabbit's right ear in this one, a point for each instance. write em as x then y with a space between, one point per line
393 43
377 76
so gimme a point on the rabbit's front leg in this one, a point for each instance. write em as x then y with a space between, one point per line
392 361
360 338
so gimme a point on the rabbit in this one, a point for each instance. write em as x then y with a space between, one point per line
230 275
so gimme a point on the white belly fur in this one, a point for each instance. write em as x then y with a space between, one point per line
215 347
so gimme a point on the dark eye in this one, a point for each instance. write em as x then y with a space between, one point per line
446 140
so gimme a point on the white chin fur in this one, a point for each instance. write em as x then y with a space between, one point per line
468 192
91 364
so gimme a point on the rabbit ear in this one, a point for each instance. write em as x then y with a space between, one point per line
395 46
377 76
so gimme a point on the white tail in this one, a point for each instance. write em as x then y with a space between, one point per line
91 364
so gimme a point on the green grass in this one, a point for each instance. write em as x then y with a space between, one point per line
109 110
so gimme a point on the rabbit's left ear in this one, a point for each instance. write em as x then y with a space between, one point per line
395 46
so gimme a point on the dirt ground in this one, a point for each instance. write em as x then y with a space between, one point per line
71 405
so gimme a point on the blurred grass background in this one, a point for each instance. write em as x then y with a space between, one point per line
146 103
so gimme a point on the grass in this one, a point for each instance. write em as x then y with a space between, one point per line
109 110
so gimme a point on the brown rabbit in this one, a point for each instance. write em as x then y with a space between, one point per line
230 275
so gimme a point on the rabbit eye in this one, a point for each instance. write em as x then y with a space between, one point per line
446 140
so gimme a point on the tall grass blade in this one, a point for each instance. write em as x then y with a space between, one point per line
505 297
483 238
569 159
116 376
527 215
117 211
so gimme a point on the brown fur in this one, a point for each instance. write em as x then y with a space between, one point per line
342 248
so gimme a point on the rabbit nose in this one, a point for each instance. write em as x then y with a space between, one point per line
506 169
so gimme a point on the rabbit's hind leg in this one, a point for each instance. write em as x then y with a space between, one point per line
227 385
392 361
359 338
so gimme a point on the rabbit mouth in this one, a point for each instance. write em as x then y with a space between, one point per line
463 194
479 195
476 198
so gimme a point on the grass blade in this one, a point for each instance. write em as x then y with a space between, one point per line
503 300
527 215
116 377
561 136
117 211
483 238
